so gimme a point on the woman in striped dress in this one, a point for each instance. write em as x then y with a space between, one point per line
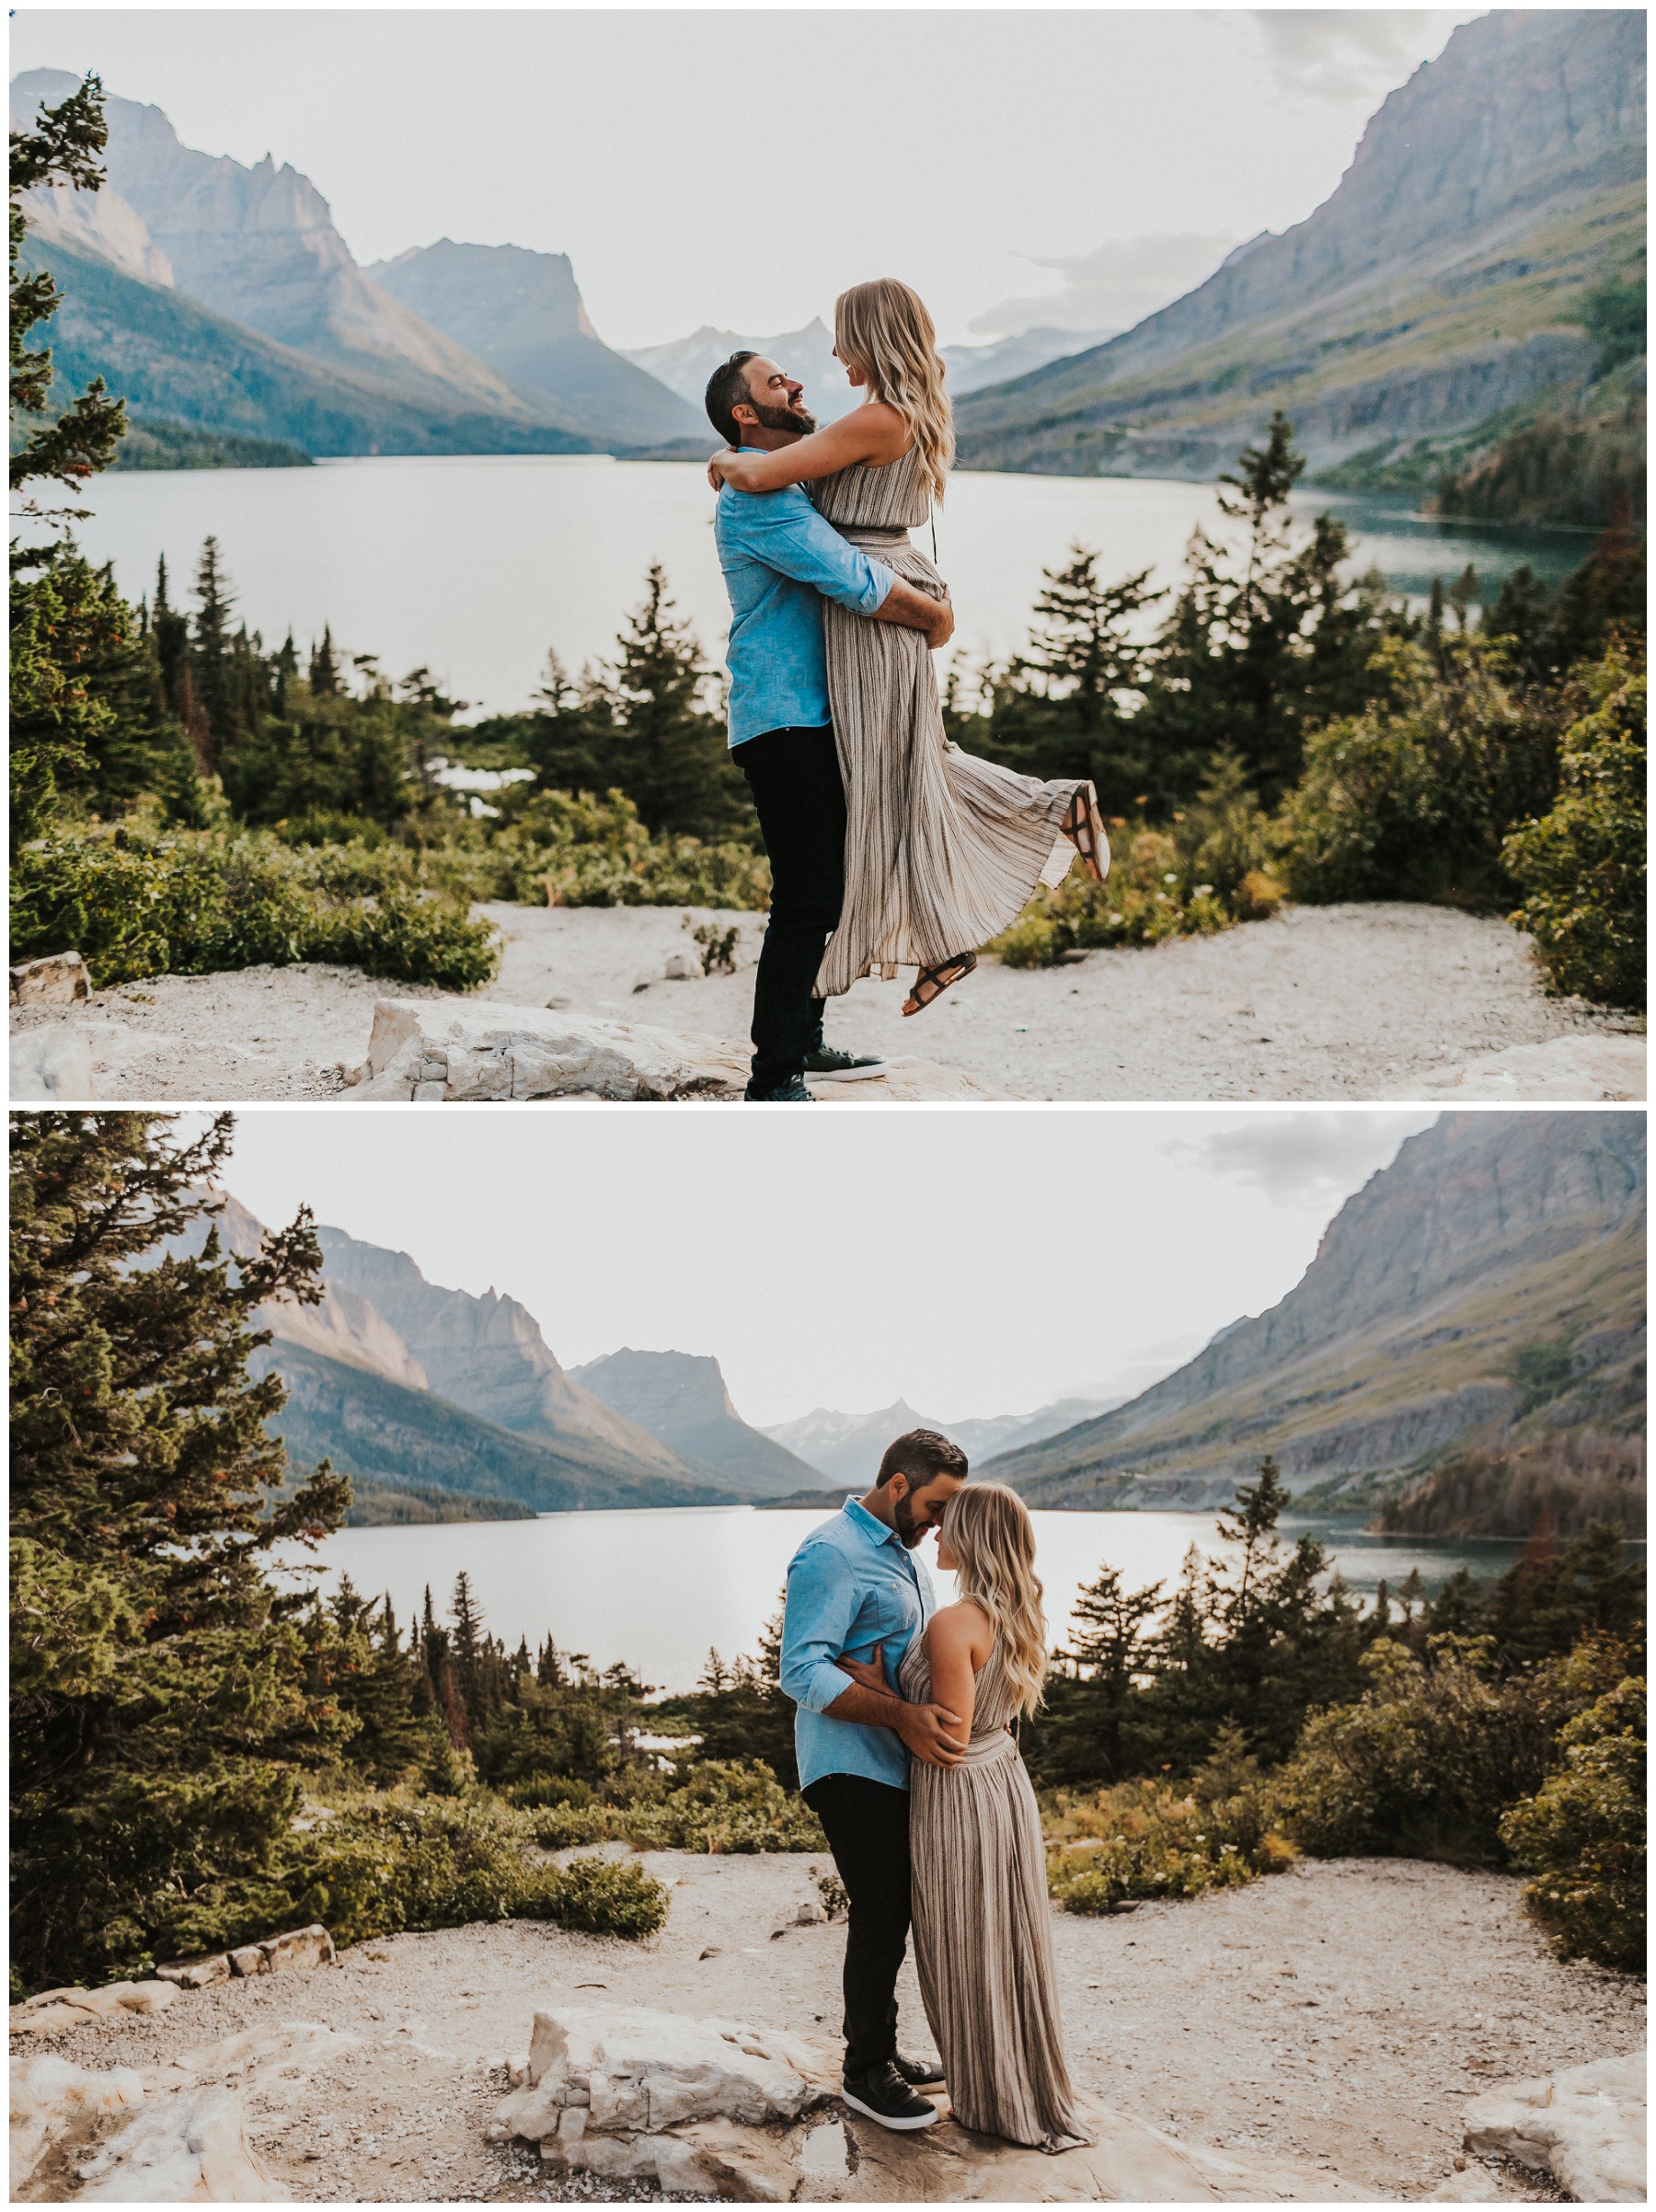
942 850
982 1921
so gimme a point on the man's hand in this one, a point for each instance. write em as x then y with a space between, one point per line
910 609
932 1734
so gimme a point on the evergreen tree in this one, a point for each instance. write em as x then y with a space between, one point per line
324 668
161 1714
1110 1648
212 651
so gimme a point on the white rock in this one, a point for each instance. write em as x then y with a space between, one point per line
188 2147
48 2020
51 1064
680 968
297 1951
1568 1067
249 1959
50 2095
149 1997
1584 2126
102 2003
197 1973
57 980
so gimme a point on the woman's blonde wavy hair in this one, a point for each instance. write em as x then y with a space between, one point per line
987 1528
885 329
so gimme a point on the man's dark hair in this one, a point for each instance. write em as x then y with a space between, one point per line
725 387
923 1454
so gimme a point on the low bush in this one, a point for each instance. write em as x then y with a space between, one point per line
1582 1835
1428 1759
721 1806
1151 1840
560 848
1581 865
136 903
600 1896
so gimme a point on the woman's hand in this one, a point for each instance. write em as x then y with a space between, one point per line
871 1673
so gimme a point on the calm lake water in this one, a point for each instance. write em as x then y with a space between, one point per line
474 566
658 1588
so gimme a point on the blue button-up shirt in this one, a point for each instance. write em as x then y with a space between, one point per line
780 561
850 1586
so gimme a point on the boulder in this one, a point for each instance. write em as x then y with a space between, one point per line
48 2020
446 1049
148 1997
197 1973
1571 1068
52 2098
58 980
51 1064
188 2147
249 1959
1585 2126
297 1951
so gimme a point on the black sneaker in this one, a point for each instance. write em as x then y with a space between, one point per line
883 2095
829 1067
921 2073
791 1093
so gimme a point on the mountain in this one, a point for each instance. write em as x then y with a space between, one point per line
1438 285
682 1400
971 368
684 364
1488 1284
487 1356
521 314
177 362
848 1446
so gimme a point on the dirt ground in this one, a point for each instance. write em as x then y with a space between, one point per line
1339 2015
1331 1002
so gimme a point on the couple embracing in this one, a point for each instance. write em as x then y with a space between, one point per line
889 845
905 1733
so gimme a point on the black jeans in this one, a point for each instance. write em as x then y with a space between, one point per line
867 1825
794 776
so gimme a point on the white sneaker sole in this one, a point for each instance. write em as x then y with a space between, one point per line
848 1075
885 2119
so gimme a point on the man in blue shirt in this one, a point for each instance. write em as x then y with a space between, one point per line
781 560
853 1589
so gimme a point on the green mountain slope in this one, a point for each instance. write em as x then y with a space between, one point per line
405 1444
170 358
1438 285
1495 1247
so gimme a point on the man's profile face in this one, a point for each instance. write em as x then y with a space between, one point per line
774 397
916 1513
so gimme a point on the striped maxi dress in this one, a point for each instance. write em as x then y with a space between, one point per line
942 850
983 1926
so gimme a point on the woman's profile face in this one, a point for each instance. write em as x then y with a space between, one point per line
854 374
945 1558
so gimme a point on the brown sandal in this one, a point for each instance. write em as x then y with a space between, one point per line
931 983
1084 827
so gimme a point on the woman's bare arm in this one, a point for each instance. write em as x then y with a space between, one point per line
957 1644
873 432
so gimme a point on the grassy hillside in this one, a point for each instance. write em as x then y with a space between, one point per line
407 1444
170 359
1538 1343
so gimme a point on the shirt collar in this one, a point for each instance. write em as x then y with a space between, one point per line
876 1531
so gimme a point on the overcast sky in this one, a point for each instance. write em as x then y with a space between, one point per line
975 1263
740 167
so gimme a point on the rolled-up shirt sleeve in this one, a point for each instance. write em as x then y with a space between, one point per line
816 1622
790 535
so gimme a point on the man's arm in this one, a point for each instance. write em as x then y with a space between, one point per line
923 1729
785 532
816 1621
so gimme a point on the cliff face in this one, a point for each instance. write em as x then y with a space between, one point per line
1490 1232
682 1400
1434 286
521 314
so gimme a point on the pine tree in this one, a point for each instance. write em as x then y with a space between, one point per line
212 651
324 668
161 1714
1110 1647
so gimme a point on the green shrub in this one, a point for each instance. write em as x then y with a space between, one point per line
1582 1835
136 904
1413 797
1426 1763
1149 1840
721 1806
1582 864
600 1896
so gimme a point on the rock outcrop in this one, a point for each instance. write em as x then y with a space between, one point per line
59 979
1584 2127
1578 1068
1488 1232
54 1064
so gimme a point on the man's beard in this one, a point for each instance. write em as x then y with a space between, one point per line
902 1517
786 417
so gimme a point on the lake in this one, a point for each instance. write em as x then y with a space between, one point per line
657 1588
475 565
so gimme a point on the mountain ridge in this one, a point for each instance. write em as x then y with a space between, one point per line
681 1397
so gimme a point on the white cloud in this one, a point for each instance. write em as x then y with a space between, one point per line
1112 287
1339 54
1308 1161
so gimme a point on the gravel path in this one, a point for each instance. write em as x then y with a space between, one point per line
1341 2014
1331 1002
